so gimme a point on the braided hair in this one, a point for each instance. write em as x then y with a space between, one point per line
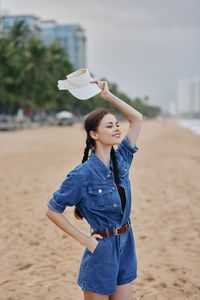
92 122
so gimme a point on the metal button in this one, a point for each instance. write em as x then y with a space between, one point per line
100 191
113 188
115 204
108 175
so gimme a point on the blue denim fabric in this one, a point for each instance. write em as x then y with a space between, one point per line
112 263
92 189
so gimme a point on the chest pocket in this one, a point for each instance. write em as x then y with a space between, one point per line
100 196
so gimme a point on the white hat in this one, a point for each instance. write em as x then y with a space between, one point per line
79 84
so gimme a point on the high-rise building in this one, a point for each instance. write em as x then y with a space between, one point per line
70 37
188 98
6 22
48 31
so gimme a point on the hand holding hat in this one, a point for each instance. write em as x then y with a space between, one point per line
81 85
103 85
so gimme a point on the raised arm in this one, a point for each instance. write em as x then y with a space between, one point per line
132 115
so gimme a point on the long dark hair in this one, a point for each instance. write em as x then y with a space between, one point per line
92 122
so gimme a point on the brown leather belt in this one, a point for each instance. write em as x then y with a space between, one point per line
114 230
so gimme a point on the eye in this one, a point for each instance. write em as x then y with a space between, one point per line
111 126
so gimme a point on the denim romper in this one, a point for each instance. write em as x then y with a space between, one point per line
91 188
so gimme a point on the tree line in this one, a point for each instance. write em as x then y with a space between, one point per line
29 73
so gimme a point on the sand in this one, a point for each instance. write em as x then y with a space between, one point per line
39 261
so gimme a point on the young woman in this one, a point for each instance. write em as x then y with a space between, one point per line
99 188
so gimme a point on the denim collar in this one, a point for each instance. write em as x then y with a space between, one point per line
99 166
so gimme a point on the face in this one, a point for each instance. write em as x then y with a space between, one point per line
108 132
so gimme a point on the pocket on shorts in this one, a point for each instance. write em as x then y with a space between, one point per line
102 268
96 249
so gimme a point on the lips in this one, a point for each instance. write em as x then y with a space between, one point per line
117 135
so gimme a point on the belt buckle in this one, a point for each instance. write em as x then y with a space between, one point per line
115 230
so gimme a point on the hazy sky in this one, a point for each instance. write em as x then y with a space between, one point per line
145 46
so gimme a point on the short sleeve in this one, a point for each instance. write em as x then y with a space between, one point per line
68 194
126 151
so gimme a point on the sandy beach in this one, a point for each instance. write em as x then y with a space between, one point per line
40 262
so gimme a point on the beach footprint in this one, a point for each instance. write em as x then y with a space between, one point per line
149 278
24 266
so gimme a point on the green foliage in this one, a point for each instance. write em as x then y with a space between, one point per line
146 110
29 73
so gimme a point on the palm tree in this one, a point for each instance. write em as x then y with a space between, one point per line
19 32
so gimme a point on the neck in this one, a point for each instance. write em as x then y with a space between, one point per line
104 155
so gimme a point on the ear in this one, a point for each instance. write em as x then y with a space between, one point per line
93 134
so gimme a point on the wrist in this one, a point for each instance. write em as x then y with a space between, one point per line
83 240
106 95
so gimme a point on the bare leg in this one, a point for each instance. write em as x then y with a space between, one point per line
122 292
94 296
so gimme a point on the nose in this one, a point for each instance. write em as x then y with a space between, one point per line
117 130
